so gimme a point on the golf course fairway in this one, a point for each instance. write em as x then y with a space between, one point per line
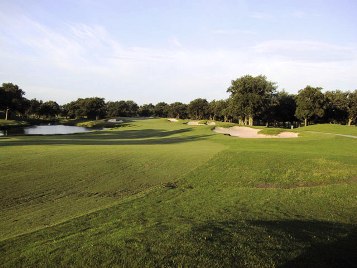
155 193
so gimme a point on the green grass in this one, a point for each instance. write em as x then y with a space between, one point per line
155 193
11 123
332 128
225 124
272 131
83 122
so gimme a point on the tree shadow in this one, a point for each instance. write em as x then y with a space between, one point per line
120 137
288 243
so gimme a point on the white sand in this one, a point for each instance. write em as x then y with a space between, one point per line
211 123
195 123
172 119
247 132
113 120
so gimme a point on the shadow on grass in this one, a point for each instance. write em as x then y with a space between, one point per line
121 137
289 243
235 243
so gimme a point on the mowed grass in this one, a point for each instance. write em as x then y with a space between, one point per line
155 193
332 128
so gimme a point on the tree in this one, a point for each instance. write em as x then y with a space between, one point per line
283 109
161 109
146 110
11 97
309 104
49 109
217 109
33 108
71 109
198 109
352 107
113 109
92 108
336 110
178 110
132 108
251 96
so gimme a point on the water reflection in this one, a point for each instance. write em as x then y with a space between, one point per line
44 130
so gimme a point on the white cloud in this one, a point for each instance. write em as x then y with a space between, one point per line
79 60
306 50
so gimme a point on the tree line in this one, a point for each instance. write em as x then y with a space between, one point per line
252 100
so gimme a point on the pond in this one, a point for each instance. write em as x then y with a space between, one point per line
45 130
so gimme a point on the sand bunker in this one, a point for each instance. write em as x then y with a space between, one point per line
247 132
114 120
172 119
211 123
195 123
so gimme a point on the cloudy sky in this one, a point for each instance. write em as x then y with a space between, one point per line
151 51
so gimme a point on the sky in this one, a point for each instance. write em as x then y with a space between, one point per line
152 51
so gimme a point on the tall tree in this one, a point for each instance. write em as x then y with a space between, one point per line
89 107
49 109
251 96
309 104
33 108
198 108
114 109
336 110
11 97
132 108
146 110
284 107
161 109
178 110
217 109
352 107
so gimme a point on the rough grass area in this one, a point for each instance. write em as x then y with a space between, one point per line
157 194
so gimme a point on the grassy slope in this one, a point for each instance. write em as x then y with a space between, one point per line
237 202
332 128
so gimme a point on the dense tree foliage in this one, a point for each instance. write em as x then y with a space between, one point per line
282 109
178 110
92 108
198 109
251 96
146 110
161 109
252 99
352 107
218 110
11 98
49 109
310 104
336 109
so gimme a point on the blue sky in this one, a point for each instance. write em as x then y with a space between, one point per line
151 51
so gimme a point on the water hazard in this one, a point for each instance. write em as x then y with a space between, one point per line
44 130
